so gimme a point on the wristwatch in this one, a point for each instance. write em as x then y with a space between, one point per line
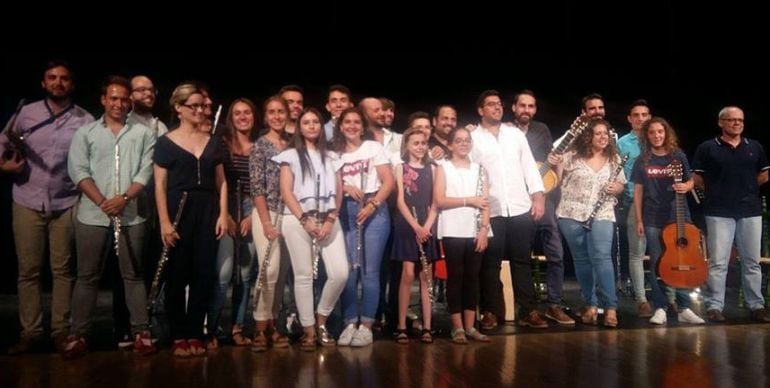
125 197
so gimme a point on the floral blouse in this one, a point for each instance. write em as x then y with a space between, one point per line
265 173
581 188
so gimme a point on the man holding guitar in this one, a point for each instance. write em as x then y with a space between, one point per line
540 143
730 168
661 176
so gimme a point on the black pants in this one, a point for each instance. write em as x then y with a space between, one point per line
192 262
463 265
512 240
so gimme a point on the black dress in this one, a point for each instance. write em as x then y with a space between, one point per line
418 193
192 261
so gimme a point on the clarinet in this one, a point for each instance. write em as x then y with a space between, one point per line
604 195
358 262
237 238
152 296
262 279
315 249
424 263
116 219
479 193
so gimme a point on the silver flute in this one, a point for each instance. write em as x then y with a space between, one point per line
152 296
604 195
424 263
315 249
479 193
262 278
116 219
359 261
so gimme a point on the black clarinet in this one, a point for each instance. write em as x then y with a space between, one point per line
152 296
424 263
604 194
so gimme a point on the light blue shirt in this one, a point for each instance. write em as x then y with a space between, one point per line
92 155
628 144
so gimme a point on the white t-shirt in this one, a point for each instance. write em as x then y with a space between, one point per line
460 183
365 159
305 186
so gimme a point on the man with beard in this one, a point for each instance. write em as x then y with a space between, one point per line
375 118
43 197
143 95
540 143
516 202
444 121
293 94
389 110
110 161
337 100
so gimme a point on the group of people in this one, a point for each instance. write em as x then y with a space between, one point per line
356 202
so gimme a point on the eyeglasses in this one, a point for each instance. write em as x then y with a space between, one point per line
732 120
493 104
195 107
145 89
462 141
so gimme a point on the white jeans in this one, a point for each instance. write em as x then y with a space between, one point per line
334 260
264 310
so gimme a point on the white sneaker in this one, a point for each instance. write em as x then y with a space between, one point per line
362 337
347 335
659 317
688 316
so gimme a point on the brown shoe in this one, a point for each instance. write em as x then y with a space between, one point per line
488 321
25 345
554 312
760 315
645 310
534 320
715 316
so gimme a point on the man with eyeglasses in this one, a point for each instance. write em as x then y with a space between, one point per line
516 202
110 161
730 168
143 95
43 197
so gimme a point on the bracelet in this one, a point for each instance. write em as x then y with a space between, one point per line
125 197
374 207
101 202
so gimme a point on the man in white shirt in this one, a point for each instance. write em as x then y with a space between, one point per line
516 201
375 116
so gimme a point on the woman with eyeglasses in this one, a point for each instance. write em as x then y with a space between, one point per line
189 160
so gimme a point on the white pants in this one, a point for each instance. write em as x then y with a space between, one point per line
264 310
335 262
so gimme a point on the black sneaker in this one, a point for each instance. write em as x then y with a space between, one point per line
760 315
715 316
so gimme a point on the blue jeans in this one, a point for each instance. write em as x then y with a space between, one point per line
659 298
746 232
224 270
592 255
375 236
636 247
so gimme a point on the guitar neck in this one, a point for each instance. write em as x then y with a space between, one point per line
680 215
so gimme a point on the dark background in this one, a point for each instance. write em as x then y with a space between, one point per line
686 63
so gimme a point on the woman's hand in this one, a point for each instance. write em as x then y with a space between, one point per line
478 202
270 232
222 227
245 228
555 159
481 240
422 234
354 192
168 234
326 229
365 213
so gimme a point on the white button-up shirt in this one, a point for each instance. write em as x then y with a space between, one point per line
512 171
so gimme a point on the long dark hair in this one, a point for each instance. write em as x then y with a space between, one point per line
582 144
299 143
338 140
228 137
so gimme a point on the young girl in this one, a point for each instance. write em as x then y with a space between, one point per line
414 180
587 171
464 229
362 159
265 191
237 142
305 167
654 196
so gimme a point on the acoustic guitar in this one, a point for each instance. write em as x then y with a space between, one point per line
682 264
550 178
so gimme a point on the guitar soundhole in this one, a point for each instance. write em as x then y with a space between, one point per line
682 242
